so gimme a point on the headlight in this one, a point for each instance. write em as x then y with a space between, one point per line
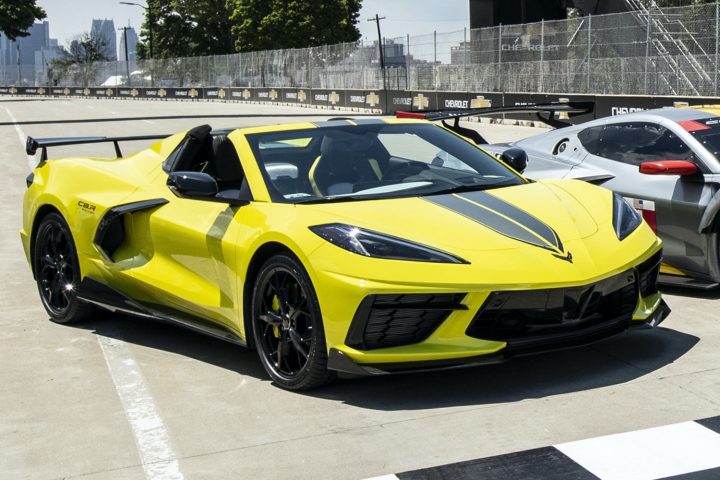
625 218
379 245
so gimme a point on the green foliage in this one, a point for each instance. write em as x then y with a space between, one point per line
78 59
16 16
274 24
186 28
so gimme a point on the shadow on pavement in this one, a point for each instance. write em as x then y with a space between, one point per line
618 360
614 361
171 338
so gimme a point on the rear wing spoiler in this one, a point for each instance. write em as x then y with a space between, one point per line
33 144
555 114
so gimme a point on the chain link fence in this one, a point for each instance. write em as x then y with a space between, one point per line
669 51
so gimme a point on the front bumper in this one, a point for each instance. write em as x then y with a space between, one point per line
441 334
341 362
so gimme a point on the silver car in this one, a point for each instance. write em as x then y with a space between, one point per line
664 161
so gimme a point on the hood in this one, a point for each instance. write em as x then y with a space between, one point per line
541 167
541 215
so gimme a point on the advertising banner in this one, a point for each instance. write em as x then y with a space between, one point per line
331 98
398 100
288 95
423 101
31 91
240 94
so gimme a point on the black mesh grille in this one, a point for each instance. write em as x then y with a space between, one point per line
648 272
385 321
545 318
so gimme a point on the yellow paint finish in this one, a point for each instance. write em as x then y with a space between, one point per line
670 270
194 255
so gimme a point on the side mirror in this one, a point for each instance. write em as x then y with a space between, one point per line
516 158
192 184
669 167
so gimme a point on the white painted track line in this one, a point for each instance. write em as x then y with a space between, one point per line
22 137
648 454
152 439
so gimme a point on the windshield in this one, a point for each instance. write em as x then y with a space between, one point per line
355 162
706 131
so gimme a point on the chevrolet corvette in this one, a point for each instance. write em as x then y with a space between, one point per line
356 246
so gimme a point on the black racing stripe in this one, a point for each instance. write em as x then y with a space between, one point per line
538 464
490 219
711 474
516 214
713 423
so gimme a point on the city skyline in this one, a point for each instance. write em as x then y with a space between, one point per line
103 30
403 17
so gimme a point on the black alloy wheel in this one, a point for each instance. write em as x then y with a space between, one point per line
287 325
57 271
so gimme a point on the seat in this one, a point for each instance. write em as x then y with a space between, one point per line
344 161
225 164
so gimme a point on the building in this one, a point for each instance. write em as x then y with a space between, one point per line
104 30
20 58
132 40
25 47
43 62
490 13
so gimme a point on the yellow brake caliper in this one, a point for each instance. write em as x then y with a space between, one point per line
276 308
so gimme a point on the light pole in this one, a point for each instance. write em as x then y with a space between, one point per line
151 20
382 56
127 59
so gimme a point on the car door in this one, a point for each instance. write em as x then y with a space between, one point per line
194 240
671 202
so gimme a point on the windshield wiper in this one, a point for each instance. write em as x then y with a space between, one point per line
344 198
465 188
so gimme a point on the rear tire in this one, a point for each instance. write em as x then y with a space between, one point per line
57 271
287 325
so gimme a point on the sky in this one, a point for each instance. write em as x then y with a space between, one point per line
69 18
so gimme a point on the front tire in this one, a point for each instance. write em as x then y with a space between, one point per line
287 325
57 271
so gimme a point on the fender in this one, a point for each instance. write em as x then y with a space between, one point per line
711 211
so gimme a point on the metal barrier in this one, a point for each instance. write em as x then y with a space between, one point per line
669 51
378 101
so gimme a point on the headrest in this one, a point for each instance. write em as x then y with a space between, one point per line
200 133
223 147
344 143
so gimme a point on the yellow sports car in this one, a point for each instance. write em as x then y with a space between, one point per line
357 246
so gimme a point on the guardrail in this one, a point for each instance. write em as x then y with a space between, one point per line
386 102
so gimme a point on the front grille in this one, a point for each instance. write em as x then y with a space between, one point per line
648 272
383 321
537 319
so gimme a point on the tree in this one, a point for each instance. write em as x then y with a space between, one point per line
80 57
186 28
274 24
16 16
